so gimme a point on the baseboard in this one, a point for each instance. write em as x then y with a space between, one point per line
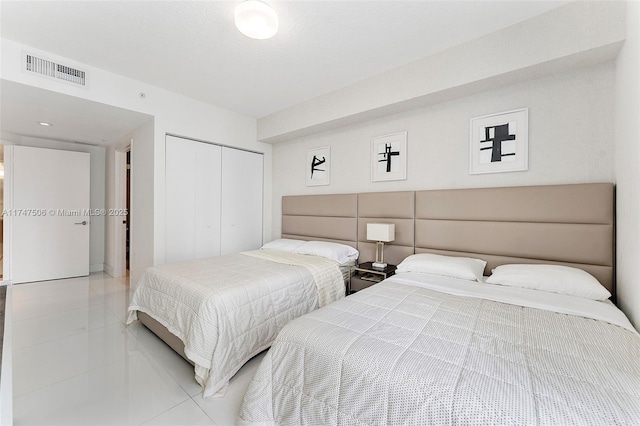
108 269
98 267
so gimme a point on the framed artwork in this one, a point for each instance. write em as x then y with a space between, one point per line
318 166
389 157
499 142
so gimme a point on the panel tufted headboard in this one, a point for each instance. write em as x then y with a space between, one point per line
321 217
571 225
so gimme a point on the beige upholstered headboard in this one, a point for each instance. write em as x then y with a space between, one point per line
559 224
387 207
321 217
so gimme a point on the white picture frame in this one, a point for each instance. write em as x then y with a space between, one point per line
389 157
499 142
318 166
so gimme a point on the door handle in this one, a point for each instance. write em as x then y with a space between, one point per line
84 222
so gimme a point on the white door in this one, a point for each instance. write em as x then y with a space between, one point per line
242 175
192 188
50 214
180 177
207 218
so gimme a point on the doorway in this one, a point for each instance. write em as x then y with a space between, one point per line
122 211
127 221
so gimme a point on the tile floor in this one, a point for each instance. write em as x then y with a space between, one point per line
76 363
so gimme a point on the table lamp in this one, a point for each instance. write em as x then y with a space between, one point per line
382 233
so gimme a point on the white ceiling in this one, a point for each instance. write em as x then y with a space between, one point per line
193 47
73 119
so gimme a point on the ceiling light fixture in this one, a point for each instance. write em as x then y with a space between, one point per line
44 123
256 19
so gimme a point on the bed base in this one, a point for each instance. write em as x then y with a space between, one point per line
164 334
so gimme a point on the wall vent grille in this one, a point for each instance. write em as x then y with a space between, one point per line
54 70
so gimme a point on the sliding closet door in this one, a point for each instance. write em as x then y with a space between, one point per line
213 200
208 192
180 193
193 179
242 174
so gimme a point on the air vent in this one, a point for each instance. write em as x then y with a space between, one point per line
54 70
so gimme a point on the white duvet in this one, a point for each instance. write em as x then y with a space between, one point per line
227 309
406 351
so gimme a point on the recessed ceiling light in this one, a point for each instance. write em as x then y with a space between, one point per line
256 19
44 123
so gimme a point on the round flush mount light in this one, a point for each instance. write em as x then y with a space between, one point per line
44 123
256 19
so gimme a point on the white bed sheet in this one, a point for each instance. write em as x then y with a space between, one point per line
561 303
227 309
401 352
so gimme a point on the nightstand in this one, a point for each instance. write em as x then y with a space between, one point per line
365 275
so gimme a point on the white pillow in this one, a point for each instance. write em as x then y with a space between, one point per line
550 278
466 268
341 253
283 244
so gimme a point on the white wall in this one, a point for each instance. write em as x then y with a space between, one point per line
172 114
627 139
97 162
570 140
572 36
110 188
142 223
583 123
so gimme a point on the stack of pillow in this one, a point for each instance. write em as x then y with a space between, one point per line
550 278
341 253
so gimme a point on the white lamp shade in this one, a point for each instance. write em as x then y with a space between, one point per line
381 232
256 19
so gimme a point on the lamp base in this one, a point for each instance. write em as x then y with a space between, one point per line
377 265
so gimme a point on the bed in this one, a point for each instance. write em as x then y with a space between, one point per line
439 343
219 312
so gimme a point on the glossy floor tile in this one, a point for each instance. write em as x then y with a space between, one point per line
51 327
57 303
224 411
186 414
77 363
128 392
41 365
173 363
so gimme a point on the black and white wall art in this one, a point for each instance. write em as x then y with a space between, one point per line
318 166
499 142
389 157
